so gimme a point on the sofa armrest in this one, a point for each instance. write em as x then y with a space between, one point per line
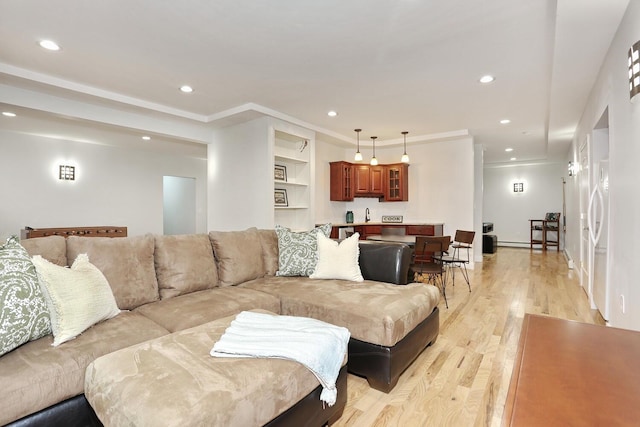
385 262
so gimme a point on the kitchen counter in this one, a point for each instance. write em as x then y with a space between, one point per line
375 228
344 224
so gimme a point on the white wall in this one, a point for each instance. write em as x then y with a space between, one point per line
115 185
240 174
441 185
611 89
239 160
326 210
510 212
478 198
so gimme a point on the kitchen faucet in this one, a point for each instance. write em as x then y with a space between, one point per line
367 218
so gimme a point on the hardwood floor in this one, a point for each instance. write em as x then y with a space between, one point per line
463 379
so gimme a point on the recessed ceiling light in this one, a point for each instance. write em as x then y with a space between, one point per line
505 121
513 158
146 138
332 113
49 45
8 114
487 79
186 89
508 149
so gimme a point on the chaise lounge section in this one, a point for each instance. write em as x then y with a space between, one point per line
172 285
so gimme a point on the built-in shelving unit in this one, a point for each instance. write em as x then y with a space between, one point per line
292 166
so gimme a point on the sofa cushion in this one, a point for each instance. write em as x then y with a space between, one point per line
184 264
197 308
24 315
51 248
269 241
126 262
77 297
37 375
298 251
189 386
374 312
239 255
338 260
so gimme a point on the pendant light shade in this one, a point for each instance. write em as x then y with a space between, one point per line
358 156
405 156
374 161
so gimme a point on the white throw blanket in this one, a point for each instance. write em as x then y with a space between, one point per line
318 345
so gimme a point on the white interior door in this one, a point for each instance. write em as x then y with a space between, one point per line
600 214
585 191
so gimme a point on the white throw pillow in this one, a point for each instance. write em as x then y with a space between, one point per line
77 297
338 260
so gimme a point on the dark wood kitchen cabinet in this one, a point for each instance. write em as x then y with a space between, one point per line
341 182
369 180
389 183
397 183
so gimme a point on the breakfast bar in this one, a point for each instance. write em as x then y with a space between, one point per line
370 228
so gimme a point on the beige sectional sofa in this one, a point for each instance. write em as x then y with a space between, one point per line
175 288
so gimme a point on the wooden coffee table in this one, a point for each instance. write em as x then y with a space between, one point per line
570 373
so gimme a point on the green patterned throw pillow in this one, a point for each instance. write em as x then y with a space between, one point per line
298 251
23 311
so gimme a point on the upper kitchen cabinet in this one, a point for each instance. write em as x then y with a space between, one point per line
390 183
369 181
341 185
397 183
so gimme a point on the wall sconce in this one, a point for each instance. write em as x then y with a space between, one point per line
518 187
634 70
67 173
572 168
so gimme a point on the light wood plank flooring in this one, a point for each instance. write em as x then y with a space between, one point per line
463 379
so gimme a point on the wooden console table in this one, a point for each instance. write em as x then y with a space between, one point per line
98 231
574 374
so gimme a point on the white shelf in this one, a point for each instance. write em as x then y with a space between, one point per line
289 183
293 150
288 159
290 207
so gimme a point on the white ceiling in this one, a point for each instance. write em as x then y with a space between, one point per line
384 65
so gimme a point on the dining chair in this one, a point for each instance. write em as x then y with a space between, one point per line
424 263
461 255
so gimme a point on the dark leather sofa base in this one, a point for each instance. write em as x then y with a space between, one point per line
382 366
74 412
311 411
308 412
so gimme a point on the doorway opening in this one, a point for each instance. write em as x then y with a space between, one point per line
178 205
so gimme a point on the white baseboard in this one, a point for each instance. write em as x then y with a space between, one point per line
569 260
513 244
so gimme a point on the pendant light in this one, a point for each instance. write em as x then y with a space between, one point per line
405 156
374 161
358 156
